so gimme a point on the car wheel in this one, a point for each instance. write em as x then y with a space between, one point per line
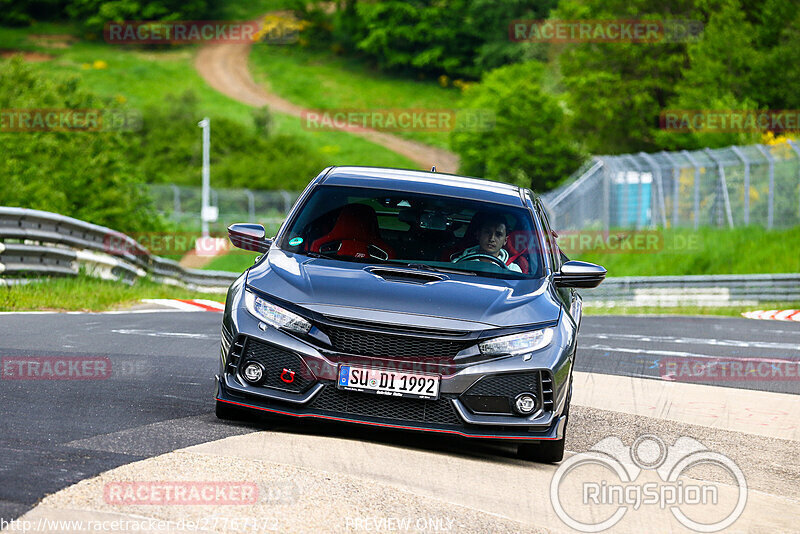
228 412
548 452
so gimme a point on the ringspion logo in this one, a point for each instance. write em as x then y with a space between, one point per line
649 473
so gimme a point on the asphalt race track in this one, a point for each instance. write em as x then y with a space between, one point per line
158 399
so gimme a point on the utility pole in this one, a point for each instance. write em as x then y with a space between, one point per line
207 213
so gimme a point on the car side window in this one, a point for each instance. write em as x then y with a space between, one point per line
553 252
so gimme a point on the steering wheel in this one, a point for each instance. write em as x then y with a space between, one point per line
477 256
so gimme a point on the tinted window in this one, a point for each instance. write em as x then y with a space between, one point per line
372 225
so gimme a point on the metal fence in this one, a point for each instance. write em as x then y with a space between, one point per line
733 186
181 204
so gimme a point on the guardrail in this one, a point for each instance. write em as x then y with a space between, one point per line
48 244
705 290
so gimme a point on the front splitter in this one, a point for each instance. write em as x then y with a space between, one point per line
554 432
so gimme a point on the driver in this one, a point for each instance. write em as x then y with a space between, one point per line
491 235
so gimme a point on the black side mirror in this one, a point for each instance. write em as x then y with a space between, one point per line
248 236
580 274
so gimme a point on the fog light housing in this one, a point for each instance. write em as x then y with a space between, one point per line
525 403
253 372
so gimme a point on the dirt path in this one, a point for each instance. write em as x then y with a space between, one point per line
224 66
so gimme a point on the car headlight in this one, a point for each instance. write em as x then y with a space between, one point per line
518 343
275 315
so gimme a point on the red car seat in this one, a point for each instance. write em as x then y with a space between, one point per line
355 230
518 246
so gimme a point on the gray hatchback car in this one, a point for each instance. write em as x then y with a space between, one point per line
411 300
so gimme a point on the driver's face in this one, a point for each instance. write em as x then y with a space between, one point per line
491 238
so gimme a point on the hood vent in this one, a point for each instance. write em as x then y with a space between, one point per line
405 275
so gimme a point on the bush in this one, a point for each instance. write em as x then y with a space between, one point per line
169 150
87 175
528 145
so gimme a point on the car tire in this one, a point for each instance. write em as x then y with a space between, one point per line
547 452
228 412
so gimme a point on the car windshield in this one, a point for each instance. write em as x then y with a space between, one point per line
419 230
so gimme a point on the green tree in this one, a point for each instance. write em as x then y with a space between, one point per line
93 14
460 38
528 144
616 91
718 77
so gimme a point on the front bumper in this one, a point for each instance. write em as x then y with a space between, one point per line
553 431
313 394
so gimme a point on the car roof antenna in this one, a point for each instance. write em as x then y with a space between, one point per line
433 169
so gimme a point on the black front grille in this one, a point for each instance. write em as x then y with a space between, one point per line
275 360
440 412
352 341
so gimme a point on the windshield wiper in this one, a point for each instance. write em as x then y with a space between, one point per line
352 259
320 255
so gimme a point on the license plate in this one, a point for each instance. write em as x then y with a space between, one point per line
388 382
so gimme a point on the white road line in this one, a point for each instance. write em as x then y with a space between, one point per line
678 354
153 333
698 341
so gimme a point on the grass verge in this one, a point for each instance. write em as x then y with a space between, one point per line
680 252
322 81
236 261
84 293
